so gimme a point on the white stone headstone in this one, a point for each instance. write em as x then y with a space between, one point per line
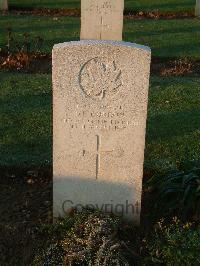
100 94
3 5
197 8
102 19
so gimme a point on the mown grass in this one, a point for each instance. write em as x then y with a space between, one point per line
173 130
167 38
25 119
137 5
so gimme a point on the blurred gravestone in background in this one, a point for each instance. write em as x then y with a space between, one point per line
102 20
3 5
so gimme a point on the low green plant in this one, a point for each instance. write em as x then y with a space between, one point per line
89 238
177 193
175 244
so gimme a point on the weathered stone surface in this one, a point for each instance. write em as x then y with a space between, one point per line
102 19
100 92
3 5
197 8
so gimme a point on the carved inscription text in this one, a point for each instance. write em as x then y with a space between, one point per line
101 120
104 7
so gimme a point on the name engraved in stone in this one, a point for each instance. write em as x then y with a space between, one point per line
105 7
101 120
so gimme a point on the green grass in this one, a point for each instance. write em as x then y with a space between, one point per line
167 38
173 130
138 5
25 119
46 3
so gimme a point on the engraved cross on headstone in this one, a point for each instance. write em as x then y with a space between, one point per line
102 19
99 152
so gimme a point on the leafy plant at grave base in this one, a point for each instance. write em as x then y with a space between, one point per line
87 238
177 193
175 244
19 54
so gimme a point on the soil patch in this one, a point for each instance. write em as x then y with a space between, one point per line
71 12
41 63
76 12
175 66
32 63
25 204
130 14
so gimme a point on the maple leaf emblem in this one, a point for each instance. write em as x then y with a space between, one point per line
99 80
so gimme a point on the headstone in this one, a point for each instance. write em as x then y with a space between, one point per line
197 8
102 20
3 4
100 93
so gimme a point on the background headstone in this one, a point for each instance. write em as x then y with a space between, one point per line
102 20
100 91
197 8
3 5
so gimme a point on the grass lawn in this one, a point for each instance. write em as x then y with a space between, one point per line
173 130
167 38
25 120
137 5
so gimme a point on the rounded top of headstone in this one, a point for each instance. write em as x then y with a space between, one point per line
102 43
